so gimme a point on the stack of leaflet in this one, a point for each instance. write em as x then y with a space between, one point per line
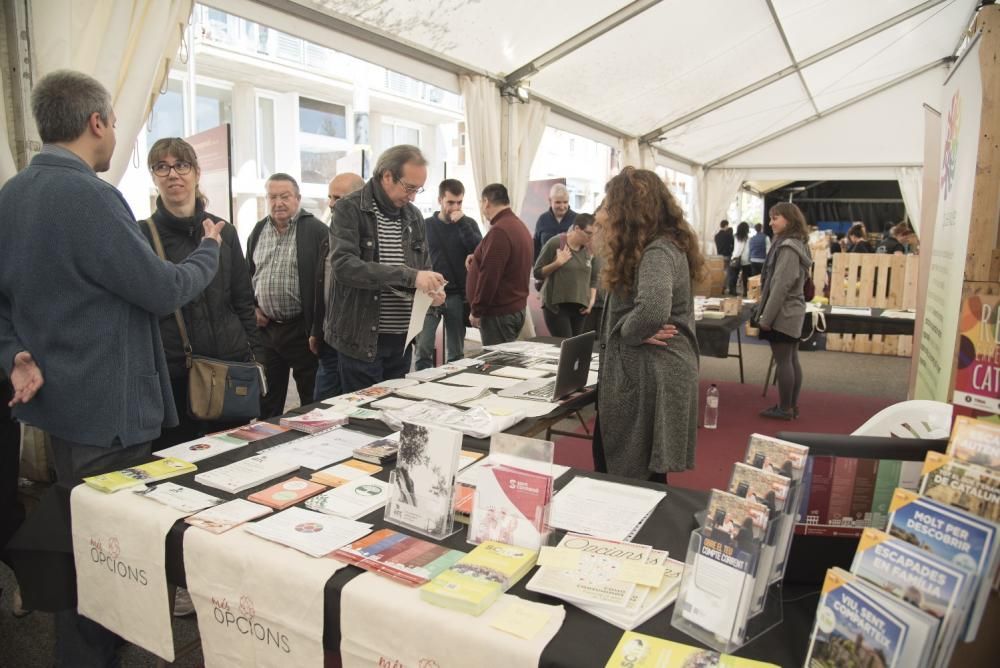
603 509
226 516
405 559
202 448
313 533
443 393
353 499
317 451
622 583
161 469
246 473
381 451
474 582
286 493
475 422
637 650
314 421
338 475
180 498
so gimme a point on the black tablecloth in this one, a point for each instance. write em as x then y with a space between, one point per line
714 334
876 323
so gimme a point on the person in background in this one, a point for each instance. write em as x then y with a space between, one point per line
81 293
760 244
570 288
648 387
739 263
906 238
378 247
451 237
888 245
327 373
724 241
557 220
857 239
781 309
497 285
220 321
284 252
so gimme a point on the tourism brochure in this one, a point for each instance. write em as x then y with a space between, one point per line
255 431
967 486
381 451
859 625
477 579
777 456
596 575
225 516
405 559
286 493
511 506
335 476
180 498
771 490
307 531
646 601
953 535
314 421
318 451
975 442
159 469
918 578
603 509
201 448
424 479
352 500
637 650
246 473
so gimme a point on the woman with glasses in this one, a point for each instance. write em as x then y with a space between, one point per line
220 322
648 387
570 288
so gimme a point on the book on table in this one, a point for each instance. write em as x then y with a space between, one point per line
406 559
381 451
159 469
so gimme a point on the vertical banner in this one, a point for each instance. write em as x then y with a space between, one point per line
961 104
215 160
977 376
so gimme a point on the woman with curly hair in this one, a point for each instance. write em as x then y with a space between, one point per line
648 389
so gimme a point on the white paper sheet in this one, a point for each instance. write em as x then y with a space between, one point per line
396 383
320 450
602 509
523 374
447 394
480 380
314 533
503 406
850 310
421 303
180 498
392 402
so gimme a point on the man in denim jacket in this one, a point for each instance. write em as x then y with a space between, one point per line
378 257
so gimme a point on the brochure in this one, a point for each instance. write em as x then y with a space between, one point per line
975 442
286 493
637 650
225 516
310 532
246 473
314 421
184 499
511 506
382 451
352 500
317 451
777 456
475 422
645 601
476 580
200 448
967 486
335 476
408 560
771 490
255 431
160 469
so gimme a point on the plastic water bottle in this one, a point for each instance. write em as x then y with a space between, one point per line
712 407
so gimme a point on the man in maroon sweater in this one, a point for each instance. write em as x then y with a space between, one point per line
499 271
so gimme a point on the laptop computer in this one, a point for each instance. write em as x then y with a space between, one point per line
574 366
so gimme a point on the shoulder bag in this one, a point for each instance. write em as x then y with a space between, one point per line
217 389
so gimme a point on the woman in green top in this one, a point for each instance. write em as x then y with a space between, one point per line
567 267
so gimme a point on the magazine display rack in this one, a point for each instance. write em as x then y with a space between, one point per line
513 493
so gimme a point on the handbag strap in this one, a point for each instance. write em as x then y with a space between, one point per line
158 245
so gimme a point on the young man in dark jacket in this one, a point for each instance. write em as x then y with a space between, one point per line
724 241
379 257
288 237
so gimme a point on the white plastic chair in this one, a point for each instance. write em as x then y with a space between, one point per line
918 418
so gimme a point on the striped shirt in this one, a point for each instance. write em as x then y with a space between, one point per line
394 308
276 280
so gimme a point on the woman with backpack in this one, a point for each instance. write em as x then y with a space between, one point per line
566 264
782 306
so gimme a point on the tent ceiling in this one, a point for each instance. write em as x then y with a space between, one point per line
705 78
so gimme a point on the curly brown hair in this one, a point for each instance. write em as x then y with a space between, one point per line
639 209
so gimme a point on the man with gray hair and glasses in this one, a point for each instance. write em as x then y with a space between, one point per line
379 257
81 294
557 220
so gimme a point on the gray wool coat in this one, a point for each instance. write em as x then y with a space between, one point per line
648 395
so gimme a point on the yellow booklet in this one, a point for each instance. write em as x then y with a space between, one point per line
461 593
159 469
497 562
637 650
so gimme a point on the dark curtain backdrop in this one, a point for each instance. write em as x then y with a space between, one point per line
877 216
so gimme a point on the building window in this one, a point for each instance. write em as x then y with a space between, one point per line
393 135
266 161
167 117
213 107
319 166
322 118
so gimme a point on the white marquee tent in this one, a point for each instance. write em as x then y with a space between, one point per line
726 90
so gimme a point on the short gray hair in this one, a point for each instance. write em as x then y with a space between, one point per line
281 176
393 159
63 102
558 189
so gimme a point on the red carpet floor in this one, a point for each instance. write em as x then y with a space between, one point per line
738 407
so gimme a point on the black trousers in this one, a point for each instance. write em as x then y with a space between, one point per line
286 348
565 321
11 510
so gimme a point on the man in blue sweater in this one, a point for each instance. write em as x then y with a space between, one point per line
81 292
557 220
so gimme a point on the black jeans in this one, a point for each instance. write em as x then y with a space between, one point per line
733 274
565 321
286 348
496 329
392 360
11 510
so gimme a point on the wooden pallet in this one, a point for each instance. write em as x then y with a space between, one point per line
877 281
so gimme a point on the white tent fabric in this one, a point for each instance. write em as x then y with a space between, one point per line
529 122
716 188
7 166
125 44
482 120
911 180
